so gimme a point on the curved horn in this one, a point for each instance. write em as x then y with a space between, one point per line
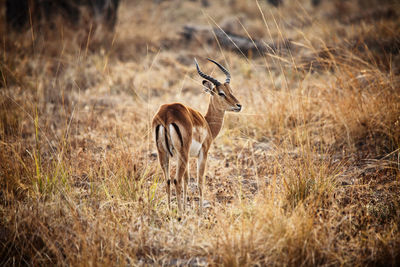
228 76
205 76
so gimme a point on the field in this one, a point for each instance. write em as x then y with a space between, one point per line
307 174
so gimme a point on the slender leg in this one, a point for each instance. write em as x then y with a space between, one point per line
185 184
164 163
181 169
201 166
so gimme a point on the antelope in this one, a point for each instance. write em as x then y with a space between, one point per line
181 131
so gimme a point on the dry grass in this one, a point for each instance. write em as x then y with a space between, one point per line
308 174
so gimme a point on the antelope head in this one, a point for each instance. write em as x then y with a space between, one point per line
221 93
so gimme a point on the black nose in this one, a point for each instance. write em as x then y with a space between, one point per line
239 106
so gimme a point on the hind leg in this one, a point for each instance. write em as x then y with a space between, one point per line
164 163
185 184
180 172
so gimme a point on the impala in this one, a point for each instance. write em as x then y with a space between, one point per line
181 131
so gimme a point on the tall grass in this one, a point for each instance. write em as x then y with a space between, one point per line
308 174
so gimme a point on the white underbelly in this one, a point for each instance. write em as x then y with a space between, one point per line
195 148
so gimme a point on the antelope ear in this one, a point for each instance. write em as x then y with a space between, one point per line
208 87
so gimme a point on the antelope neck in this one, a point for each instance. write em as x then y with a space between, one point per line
214 118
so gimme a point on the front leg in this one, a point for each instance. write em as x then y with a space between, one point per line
201 166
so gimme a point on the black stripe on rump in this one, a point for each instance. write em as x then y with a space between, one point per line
157 129
178 132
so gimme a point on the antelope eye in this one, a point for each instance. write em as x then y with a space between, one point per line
220 93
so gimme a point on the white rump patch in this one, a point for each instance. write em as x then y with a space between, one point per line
174 136
161 137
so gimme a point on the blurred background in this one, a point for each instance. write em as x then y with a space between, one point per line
307 174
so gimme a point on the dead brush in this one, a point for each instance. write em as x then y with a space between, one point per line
315 182
361 92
